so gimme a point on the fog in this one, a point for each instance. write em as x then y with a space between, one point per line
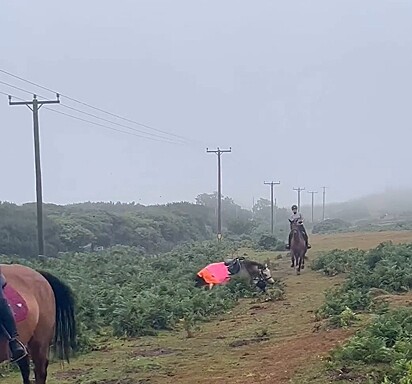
310 94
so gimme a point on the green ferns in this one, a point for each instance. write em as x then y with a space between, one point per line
387 268
129 294
384 349
381 353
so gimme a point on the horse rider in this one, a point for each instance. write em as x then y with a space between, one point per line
17 348
298 216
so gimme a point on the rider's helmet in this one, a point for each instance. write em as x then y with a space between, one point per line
294 207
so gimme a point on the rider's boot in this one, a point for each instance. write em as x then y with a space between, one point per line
308 246
288 244
17 349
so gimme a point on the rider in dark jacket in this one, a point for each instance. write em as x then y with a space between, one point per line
298 216
17 349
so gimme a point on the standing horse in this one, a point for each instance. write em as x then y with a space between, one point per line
298 247
48 318
246 269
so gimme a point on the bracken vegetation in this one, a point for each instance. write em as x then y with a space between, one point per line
128 294
381 353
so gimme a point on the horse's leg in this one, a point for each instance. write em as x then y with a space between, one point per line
303 261
24 365
298 264
293 260
40 357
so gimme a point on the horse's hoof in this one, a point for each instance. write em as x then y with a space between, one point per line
303 267
298 273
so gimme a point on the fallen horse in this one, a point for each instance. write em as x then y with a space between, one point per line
220 273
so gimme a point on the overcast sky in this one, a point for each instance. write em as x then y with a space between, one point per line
310 93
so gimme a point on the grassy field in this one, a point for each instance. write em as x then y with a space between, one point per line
261 342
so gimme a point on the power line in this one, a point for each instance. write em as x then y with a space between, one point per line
111 128
313 201
219 152
6 94
323 203
272 184
112 122
92 115
94 123
299 190
34 106
93 107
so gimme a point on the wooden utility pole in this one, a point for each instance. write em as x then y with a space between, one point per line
313 202
323 203
299 190
272 184
34 106
219 152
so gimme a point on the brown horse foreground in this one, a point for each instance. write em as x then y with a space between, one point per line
298 247
50 319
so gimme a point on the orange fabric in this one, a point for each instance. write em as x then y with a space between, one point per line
215 273
207 276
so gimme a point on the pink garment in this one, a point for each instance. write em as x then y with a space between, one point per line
219 272
17 303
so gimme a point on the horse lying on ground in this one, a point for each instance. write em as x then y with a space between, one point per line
220 273
43 308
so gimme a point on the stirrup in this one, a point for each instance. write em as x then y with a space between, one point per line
24 353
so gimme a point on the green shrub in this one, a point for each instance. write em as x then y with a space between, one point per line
330 225
386 267
131 294
385 345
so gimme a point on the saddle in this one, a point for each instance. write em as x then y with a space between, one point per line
233 266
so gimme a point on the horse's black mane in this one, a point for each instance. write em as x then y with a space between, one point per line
254 263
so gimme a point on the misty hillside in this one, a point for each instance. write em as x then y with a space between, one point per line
392 204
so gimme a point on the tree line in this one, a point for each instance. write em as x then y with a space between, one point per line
158 228
151 229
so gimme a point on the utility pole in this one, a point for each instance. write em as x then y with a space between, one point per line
313 201
323 203
272 184
219 152
34 106
299 190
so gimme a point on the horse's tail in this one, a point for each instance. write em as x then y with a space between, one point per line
66 331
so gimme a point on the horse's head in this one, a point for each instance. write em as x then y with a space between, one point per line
258 271
266 275
295 224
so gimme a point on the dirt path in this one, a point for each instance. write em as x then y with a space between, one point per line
289 325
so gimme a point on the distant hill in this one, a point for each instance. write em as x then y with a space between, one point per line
390 205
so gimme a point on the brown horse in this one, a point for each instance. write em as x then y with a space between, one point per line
298 247
50 319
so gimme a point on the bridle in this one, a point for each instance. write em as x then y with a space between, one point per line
262 275
262 279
